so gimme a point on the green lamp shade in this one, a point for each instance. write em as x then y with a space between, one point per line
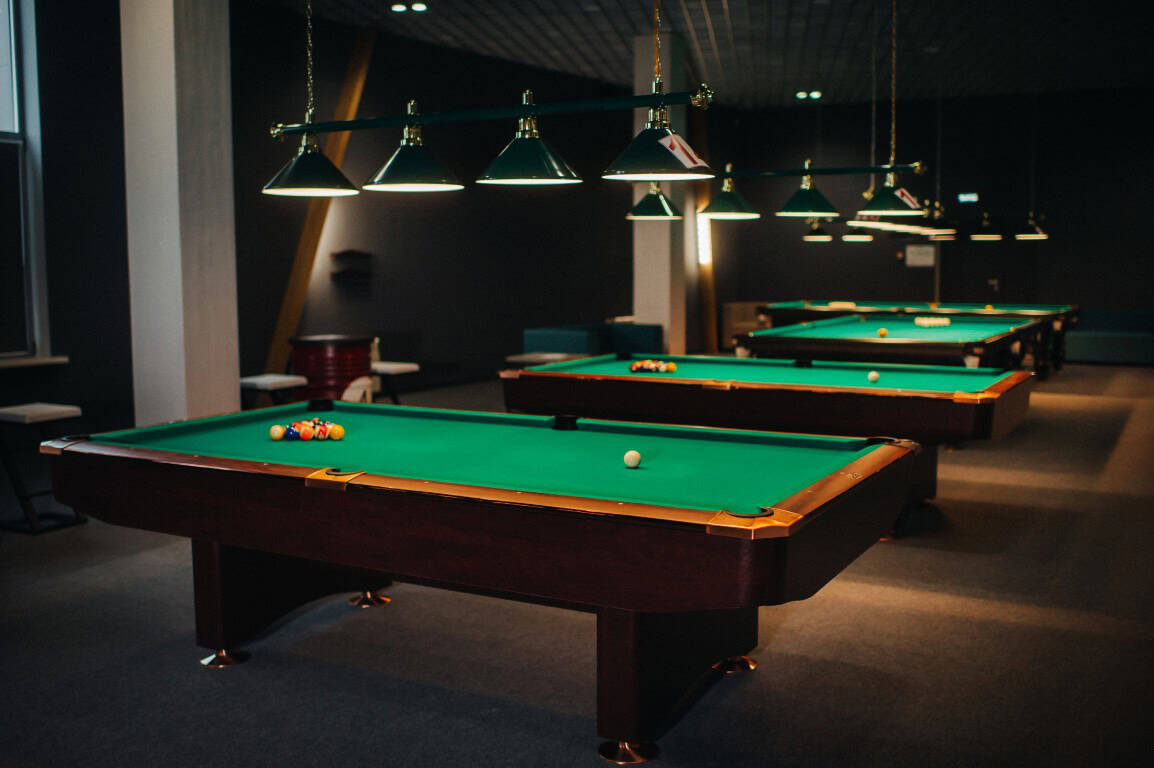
729 205
817 234
655 206
310 174
658 154
892 202
413 169
528 161
808 204
1032 231
986 231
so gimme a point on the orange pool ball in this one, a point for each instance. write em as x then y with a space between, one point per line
883 332
989 306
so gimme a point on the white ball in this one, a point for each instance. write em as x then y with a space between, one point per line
632 459
873 376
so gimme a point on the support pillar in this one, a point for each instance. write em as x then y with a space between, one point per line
179 190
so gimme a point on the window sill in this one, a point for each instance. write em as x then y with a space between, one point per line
27 362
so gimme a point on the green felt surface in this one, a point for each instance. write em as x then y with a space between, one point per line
687 467
924 378
924 306
900 327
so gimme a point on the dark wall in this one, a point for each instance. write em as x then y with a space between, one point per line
83 179
455 276
1089 152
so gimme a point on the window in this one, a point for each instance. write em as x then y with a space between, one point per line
23 330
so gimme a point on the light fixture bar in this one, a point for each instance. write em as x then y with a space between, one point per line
700 98
846 170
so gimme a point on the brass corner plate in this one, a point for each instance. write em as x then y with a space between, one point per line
331 477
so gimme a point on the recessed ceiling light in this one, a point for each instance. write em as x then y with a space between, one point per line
815 94
398 7
802 95
419 7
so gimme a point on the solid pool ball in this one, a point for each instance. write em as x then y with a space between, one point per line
632 459
989 306
336 432
276 432
672 367
873 376
306 432
290 433
883 332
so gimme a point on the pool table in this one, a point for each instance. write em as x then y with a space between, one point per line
987 342
1049 355
674 557
931 404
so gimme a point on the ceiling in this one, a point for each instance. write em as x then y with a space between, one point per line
759 54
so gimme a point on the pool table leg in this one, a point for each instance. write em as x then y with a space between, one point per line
925 487
651 667
241 592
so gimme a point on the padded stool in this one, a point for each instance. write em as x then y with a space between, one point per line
527 359
387 369
281 387
34 415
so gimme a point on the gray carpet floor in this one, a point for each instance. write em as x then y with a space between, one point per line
1016 629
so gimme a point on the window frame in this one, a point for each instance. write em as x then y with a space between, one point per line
27 137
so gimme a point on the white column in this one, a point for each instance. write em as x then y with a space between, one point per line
664 253
178 179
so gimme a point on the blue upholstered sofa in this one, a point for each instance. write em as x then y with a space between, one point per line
595 338
1112 336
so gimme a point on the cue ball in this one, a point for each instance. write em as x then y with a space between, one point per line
873 376
632 459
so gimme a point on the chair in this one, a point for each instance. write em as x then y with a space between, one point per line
35 415
359 390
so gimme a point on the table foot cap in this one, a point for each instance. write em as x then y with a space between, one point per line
224 658
627 752
736 665
369 599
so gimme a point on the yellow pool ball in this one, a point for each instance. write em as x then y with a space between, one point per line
883 332
276 432
671 367
336 432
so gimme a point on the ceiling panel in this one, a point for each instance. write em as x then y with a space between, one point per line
758 54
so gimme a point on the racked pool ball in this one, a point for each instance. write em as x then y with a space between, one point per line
276 432
336 432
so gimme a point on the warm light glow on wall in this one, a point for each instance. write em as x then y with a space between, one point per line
704 241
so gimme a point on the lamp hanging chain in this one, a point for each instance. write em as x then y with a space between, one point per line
873 99
309 59
657 40
893 81
1033 152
